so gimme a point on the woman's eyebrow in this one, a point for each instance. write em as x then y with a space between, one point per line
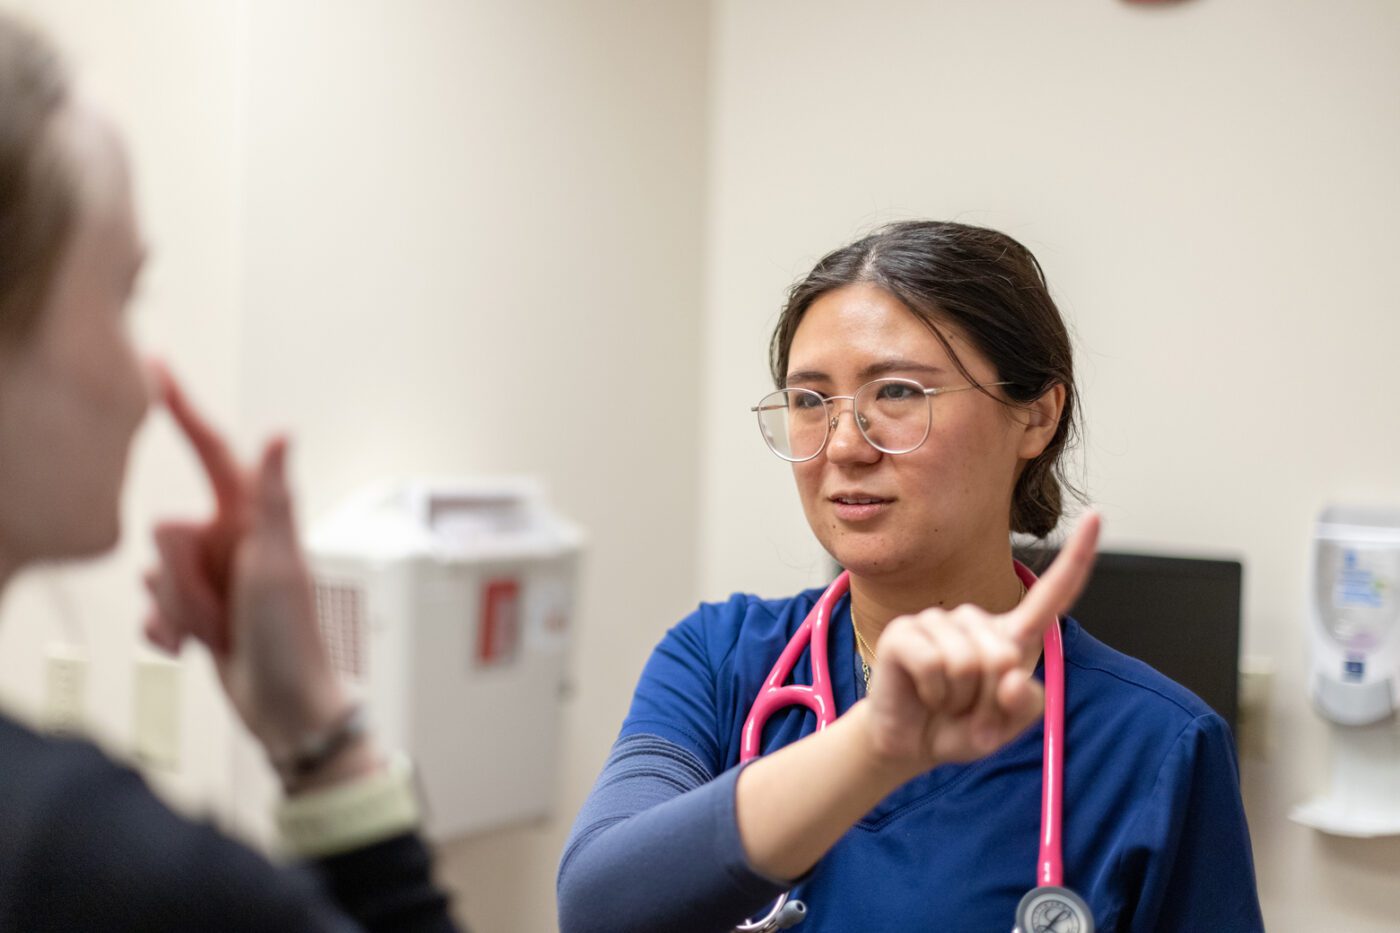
885 367
873 371
806 375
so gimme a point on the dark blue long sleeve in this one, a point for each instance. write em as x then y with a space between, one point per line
657 847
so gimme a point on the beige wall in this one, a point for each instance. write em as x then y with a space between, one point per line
1212 189
426 237
473 241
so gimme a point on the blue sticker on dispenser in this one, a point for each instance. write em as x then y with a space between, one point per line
1357 585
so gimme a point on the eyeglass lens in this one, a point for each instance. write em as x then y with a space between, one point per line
892 414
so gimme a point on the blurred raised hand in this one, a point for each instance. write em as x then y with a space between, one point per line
238 582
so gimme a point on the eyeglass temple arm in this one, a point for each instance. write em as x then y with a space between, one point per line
975 385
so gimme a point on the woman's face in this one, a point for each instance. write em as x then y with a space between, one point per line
952 494
73 390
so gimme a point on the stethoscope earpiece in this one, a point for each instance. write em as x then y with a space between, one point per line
784 913
793 913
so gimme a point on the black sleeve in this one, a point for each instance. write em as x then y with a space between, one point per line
96 850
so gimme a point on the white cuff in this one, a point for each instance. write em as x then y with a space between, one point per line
350 815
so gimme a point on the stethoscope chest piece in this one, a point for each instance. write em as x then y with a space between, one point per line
1050 909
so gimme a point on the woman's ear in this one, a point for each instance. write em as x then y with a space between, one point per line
1043 420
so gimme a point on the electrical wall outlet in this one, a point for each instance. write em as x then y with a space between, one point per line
1252 733
1256 683
65 689
156 712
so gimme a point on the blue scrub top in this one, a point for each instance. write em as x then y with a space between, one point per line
1154 828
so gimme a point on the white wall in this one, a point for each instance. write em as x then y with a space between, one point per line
1211 188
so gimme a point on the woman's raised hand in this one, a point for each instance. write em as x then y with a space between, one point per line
238 582
956 685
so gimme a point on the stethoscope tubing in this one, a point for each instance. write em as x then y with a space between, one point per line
777 694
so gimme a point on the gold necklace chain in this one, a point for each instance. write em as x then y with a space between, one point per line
867 651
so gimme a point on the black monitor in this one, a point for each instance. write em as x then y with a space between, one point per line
1179 614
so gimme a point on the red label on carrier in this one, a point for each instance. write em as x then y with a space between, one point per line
499 630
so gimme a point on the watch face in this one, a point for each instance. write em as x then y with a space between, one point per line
1053 910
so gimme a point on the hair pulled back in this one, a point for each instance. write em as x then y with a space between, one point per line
993 290
36 195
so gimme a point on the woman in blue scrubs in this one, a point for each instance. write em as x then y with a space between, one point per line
919 808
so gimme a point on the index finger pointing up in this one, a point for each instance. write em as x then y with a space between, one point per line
1058 587
208 444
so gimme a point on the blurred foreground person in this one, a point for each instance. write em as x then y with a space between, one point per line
84 845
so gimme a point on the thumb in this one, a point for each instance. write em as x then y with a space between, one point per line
1021 698
272 499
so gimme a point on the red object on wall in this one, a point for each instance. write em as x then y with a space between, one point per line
498 633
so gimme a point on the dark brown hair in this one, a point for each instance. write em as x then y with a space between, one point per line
993 290
36 195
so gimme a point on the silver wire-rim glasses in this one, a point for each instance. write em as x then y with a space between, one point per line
893 415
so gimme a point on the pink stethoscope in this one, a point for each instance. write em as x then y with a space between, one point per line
1047 908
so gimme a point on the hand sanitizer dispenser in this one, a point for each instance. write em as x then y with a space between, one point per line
1355 610
1354 672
